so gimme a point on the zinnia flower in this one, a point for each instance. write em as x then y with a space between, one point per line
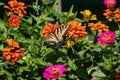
13 52
77 30
108 14
110 3
54 71
86 12
87 15
112 14
117 75
69 43
14 21
117 15
99 26
48 29
106 38
16 8
12 43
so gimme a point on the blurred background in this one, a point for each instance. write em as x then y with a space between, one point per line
95 6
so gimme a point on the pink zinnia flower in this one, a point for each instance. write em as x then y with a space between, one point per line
106 38
110 3
54 71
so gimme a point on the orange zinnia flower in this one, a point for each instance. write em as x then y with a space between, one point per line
108 14
12 43
48 29
117 15
99 26
14 21
15 7
13 52
69 43
77 30
112 14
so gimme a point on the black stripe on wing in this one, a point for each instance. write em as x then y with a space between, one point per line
58 35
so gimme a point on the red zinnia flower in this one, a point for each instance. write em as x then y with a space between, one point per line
14 21
117 75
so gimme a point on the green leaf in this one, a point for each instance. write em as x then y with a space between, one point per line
107 61
63 50
46 2
80 20
71 9
1 72
81 53
62 79
34 49
23 68
78 70
19 36
49 19
98 73
72 65
1 4
60 59
9 75
3 31
49 50
37 78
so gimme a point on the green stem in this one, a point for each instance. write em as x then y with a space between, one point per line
111 55
118 25
95 38
73 50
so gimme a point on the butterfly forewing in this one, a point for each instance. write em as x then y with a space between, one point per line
57 36
51 38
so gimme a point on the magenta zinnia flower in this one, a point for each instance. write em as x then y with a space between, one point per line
106 38
54 71
110 3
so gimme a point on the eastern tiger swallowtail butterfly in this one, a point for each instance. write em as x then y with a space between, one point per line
57 37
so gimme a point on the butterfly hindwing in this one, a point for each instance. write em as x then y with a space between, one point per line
57 36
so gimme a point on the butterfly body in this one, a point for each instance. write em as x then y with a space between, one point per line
57 37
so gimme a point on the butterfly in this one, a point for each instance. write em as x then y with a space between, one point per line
57 37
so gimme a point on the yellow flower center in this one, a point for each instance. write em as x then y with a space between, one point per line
107 38
110 2
14 21
55 72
